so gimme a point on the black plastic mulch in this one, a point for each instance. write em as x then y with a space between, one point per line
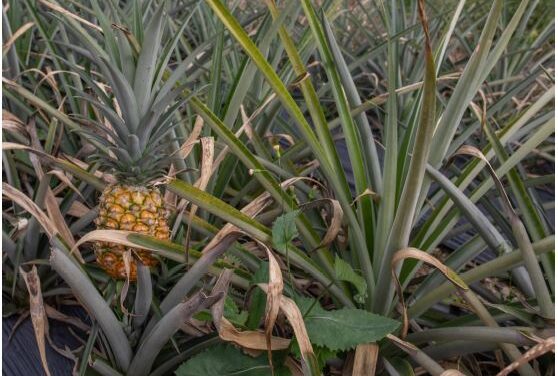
20 354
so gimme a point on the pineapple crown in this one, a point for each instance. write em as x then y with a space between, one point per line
138 114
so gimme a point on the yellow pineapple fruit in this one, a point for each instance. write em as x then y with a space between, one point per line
131 208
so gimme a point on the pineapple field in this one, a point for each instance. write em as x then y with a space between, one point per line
278 187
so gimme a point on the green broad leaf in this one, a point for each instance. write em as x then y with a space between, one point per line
284 230
203 316
233 313
345 328
227 360
345 272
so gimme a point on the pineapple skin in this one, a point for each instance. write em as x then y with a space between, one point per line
133 208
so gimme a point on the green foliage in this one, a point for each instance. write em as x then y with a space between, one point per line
345 328
345 272
284 230
227 360
234 314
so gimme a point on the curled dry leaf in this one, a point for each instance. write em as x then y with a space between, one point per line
542 348
474 152
273 301
275 137
112 236
26 203
367 192
335 223
38 314
429 259
247 121
252 340
293 314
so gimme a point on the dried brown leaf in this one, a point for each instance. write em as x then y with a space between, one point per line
253 340
66 12
188 145
207 144
429 259
366 358
335 223
367 192
112 236
273 301
77 209
542 348
19 32
26 203
293 314
38 314
474 152
10 122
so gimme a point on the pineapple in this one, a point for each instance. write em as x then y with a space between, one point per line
133 136
132 208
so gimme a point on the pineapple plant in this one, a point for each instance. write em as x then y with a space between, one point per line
133 137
